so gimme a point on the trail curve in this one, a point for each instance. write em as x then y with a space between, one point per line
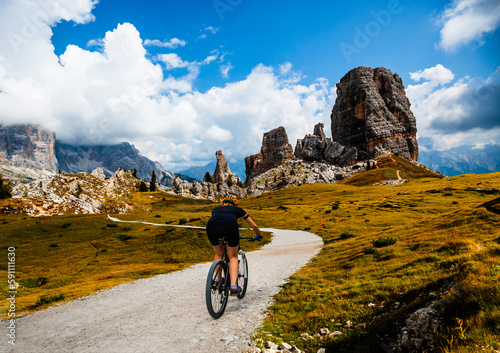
167 313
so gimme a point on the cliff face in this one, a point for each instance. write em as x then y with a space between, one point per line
29 151
29 146
372 114
275 151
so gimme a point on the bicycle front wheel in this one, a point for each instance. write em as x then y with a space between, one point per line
243 276
217 292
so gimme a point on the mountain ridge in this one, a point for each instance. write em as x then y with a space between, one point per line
29 151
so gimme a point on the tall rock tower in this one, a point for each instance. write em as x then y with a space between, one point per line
275 151
222 171
372 114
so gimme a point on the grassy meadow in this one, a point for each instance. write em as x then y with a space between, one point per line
389 250
61 258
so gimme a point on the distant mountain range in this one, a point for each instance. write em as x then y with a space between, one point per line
462 160
31 151
198 172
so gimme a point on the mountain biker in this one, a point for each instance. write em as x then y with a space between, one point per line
224 224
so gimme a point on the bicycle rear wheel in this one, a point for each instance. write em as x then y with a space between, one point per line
243 276
216 293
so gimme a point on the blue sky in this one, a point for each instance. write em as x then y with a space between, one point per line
182 79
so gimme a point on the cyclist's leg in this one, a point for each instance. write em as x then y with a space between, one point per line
219 252
233 264
233 240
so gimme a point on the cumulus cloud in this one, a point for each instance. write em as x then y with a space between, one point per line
455 113
466 21
170 44
120 94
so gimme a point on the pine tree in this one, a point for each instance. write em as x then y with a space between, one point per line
5 188
134 173
208 178
152 185
143 187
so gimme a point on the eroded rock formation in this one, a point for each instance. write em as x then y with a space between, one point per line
222 170
275 151
372 114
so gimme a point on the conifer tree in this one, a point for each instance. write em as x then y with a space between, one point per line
143 187
134 173
5 188
152 185
208 178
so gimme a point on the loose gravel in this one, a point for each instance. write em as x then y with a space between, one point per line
166 313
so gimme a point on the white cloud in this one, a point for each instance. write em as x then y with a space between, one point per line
466 21
212 29
225 68
208 30
458 113
171 44
118 94
173 61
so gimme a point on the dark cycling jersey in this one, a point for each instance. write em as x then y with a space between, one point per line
224 224
230 213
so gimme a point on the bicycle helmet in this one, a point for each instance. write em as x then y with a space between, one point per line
230 199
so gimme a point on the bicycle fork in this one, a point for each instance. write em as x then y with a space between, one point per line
241 256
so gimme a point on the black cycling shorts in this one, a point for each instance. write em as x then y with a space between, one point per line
227 230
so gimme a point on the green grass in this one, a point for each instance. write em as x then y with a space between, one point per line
439 237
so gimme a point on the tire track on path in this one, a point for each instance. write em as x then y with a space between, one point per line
167 313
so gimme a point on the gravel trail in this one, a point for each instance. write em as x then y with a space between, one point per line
166 313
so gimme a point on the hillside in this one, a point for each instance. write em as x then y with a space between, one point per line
396 259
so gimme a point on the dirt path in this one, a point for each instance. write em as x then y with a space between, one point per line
166 313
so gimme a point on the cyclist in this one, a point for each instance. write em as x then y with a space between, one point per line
224 224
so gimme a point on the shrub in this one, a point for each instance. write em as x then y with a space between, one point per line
53 245
346 235
112 225
382 242
45 299
183 221
370 251
158 216
335 207
125 237
66 225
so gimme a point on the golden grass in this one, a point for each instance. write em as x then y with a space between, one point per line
447 244
79 255
442 238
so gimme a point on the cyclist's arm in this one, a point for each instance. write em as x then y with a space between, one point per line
252 224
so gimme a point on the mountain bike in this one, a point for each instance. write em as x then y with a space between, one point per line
219 282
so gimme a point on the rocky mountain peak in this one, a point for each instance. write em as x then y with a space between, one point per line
30 146
372 114
275 151
222 171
